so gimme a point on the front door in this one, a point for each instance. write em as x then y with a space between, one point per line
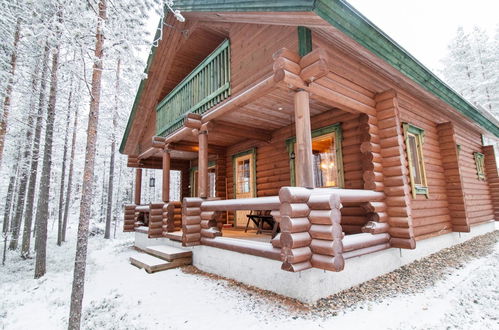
244 183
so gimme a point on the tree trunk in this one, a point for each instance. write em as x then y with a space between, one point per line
70 178
118 195
26 160
63 169
6 215
35 152
42 209
88 177
107 233
8 91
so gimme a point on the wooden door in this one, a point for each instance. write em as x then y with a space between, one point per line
244 184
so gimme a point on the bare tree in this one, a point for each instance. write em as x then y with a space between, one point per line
35 152
88 173
10 88
42 210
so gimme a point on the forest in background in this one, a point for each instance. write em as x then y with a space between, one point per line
49 59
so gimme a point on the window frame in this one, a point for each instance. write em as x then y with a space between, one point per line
418 133
331 129
193 179
480 165
251 152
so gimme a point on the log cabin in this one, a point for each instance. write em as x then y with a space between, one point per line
305 110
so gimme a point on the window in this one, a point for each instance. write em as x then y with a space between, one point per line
326 148
480 165
414 139
212 179
244 173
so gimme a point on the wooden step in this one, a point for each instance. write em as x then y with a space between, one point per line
152 264
169 253
174 236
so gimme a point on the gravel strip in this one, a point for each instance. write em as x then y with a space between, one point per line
410 279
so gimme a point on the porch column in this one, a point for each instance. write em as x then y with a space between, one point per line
304 157
166 175
138 185
203 162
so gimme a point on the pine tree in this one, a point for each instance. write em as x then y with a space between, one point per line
10 86
42 213
35 152
87 190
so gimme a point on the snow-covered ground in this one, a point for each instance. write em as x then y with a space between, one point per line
120 296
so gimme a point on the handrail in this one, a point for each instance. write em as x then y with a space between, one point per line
207 85
259 203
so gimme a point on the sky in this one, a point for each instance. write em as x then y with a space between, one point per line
425 27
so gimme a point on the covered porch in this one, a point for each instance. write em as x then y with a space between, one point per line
301 144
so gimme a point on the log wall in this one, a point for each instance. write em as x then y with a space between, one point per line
155 228
273 169
477 192
454 181
492 177
252 47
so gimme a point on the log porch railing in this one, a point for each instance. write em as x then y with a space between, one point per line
310 219
207 85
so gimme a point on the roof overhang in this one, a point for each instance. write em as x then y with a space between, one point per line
348 20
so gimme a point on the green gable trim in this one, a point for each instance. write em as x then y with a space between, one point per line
348 20
304 40
245 5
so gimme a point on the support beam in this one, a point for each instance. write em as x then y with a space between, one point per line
138 185
166 176
203 162
236 130
304 156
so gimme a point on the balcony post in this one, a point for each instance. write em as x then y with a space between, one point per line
304 156
203 162
166 175
138 185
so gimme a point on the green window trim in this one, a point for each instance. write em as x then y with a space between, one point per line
251 152
419 133
335 128
192 170
480 165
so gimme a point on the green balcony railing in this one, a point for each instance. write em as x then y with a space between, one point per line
207 85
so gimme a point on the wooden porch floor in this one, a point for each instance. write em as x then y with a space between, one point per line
238 233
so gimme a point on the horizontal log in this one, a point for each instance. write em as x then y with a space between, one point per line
286 64
326 247
373 227
294 225
244 246
403 243
295 240
294 210
322 232
334 264
210 233
294 256
191 229
325 217
364 251
296 267
360 241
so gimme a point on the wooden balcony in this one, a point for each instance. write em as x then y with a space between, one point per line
206 86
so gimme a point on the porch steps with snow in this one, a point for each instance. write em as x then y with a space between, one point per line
160 257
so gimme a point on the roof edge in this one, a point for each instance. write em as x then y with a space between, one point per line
348 20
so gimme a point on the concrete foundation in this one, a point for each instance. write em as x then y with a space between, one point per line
310 285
